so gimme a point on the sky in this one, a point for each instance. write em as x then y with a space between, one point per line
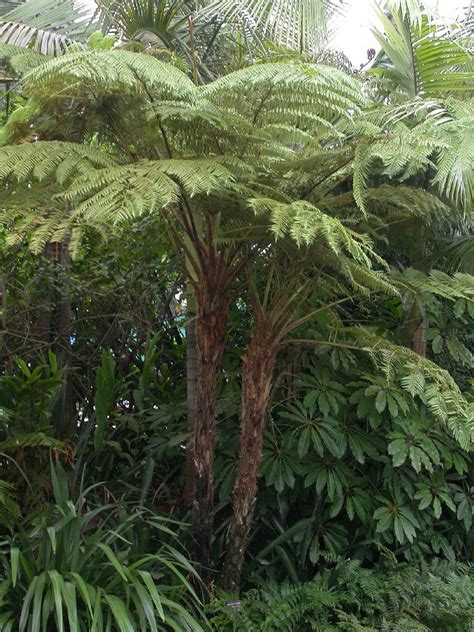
354 36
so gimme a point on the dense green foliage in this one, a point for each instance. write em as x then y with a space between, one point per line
209 243
351 598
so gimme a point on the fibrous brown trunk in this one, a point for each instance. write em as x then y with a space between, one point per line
212 296
258 366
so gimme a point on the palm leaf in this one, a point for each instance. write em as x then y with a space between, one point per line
423 58
151 21
296 24
47 26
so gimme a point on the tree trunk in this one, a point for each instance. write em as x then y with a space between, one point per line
414 325
44 321
191 391
63 413
419 344
258 366
212 295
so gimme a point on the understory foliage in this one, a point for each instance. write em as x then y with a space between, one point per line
174 231
92 567
433 597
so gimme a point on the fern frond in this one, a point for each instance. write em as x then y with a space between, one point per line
50 160
110 71
290 93
127 191
451 287
305 223
425 379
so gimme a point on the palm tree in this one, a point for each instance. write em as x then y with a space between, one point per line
431 64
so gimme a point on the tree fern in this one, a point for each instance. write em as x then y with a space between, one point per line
452 287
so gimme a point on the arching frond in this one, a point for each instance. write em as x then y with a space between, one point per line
289 93
455 165
460 254
306 224
420 56
108 71
112 195
361 278
149 21
20 60
451 287
47 26
424 379
50 160
41 41
297 24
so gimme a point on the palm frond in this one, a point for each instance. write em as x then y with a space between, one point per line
459 254
47 26
423 58
156 22
297 24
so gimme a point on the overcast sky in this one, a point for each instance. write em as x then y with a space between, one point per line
354 36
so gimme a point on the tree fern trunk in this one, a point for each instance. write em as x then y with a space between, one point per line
258 366
212 307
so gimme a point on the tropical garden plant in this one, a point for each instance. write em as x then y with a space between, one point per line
231 247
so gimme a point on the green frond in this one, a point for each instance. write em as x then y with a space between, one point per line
455 164
20 60
55 160
305 223
460 352
406 201
361 278
425 59
30 440
109 71
20 34
127 191
460 254
68 19
333 245
451 287
297 24
361 169
424 379
286 93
